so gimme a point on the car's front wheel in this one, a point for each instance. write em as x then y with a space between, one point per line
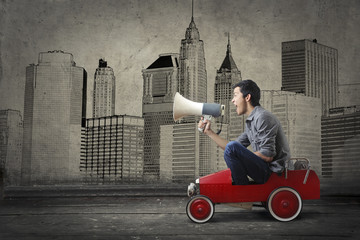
200 209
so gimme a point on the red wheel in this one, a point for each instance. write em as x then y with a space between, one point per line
200 209
284 204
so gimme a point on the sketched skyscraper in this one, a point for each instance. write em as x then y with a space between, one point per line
54 111
104 91
192 75
311 68
160 85
185 153
226 76
11 139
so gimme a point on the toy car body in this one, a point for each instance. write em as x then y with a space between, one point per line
282 194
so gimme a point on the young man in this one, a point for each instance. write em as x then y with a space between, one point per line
262 131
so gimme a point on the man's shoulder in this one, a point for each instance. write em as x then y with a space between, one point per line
262 112
264 115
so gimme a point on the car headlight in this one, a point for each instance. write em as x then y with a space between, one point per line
191 191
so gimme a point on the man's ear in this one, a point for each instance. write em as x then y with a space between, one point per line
248 97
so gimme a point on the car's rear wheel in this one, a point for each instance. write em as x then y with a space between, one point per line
200 209
284 204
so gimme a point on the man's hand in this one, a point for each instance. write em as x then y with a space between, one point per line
265 158
205 125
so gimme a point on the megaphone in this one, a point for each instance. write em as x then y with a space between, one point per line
184 107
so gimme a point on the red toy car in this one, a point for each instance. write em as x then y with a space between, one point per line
281 195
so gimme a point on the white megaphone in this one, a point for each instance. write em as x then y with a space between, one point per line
184 107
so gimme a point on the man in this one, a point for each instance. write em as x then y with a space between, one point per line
262 131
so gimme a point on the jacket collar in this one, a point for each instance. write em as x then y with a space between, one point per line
252 114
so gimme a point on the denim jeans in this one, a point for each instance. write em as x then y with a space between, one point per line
242 163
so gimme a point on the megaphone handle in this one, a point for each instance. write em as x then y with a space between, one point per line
205 117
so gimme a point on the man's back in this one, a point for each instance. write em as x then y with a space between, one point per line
265 134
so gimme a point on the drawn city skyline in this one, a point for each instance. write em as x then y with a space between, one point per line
155 164
131 41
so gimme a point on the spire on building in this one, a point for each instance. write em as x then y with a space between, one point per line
192 11
229 46
228 62
192 33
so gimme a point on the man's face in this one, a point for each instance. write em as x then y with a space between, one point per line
239 101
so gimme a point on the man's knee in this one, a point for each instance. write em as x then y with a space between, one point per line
232 150
231 146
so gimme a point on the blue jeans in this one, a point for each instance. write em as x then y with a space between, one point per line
242 163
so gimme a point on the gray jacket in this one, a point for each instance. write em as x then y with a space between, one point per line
264 133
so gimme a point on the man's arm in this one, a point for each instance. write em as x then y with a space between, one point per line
221 142
267 127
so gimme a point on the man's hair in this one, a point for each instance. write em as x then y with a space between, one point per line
249 87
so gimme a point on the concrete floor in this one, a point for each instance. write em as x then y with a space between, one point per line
162 217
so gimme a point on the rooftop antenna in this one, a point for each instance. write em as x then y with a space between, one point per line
192 10
229 46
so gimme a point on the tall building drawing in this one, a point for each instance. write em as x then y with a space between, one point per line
311 68
113 150
192 75
300 118
54 111
228 75
190 151
186 154
160 85
11 140
104 91
349 94
340 138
